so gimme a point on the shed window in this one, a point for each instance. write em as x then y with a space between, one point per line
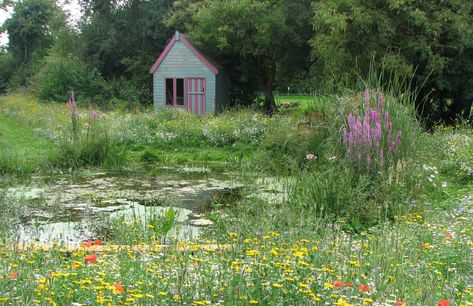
179 91
169 91
175 92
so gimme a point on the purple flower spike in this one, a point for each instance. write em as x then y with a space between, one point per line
380 101
367 98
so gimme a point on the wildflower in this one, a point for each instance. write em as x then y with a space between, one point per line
119 288
399 303
310 157
338 284
97 242
448 235
253 302
333 158
91 258
444 303
364 288
367 98
328 285
87 243
176 297
13 275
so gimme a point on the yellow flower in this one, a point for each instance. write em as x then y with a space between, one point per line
176 297
342 302
275 285
253 302
328 285
252 252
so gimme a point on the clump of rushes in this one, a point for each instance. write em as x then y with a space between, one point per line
369 139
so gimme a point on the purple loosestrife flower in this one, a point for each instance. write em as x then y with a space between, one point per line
345 136
93 115
367 98
368 138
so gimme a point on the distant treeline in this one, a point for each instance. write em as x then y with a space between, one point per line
266 45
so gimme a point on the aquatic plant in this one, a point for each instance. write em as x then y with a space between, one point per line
369 139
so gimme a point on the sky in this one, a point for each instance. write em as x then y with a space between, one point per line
71 6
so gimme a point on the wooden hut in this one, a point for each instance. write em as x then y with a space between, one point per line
184 77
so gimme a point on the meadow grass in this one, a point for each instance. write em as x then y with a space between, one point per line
338 234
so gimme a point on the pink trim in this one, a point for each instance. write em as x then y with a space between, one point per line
198 54
202 97
196 97
190 47
174 91
163 55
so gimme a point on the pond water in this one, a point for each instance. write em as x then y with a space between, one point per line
69 209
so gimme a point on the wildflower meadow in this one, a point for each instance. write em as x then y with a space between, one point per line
370 208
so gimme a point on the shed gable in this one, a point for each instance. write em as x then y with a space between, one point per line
180 39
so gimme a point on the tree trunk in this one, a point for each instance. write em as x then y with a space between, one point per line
266 77
269 103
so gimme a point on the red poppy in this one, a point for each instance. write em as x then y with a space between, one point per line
119 287
338 284
448 234
399 303
13 275
97 242
91 258
444 303
349 284
364 288
86 243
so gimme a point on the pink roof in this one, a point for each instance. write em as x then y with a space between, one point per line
171 43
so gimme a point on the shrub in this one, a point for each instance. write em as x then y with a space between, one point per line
61 74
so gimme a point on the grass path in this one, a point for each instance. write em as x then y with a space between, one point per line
20 138
21 149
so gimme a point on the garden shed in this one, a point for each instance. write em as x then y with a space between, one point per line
184 77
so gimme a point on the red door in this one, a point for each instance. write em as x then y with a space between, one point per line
196 95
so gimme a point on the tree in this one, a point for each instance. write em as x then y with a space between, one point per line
30 32
256 39
430 41
122 38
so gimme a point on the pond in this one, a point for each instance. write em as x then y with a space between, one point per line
76 207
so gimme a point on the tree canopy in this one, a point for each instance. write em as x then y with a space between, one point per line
266 45
257 40
430 41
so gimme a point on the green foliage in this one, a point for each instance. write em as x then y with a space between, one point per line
430 41
254 38
59 75
30 34
6 70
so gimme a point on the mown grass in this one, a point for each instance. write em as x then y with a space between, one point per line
21 150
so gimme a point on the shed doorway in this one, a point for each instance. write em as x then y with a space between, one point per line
196 95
